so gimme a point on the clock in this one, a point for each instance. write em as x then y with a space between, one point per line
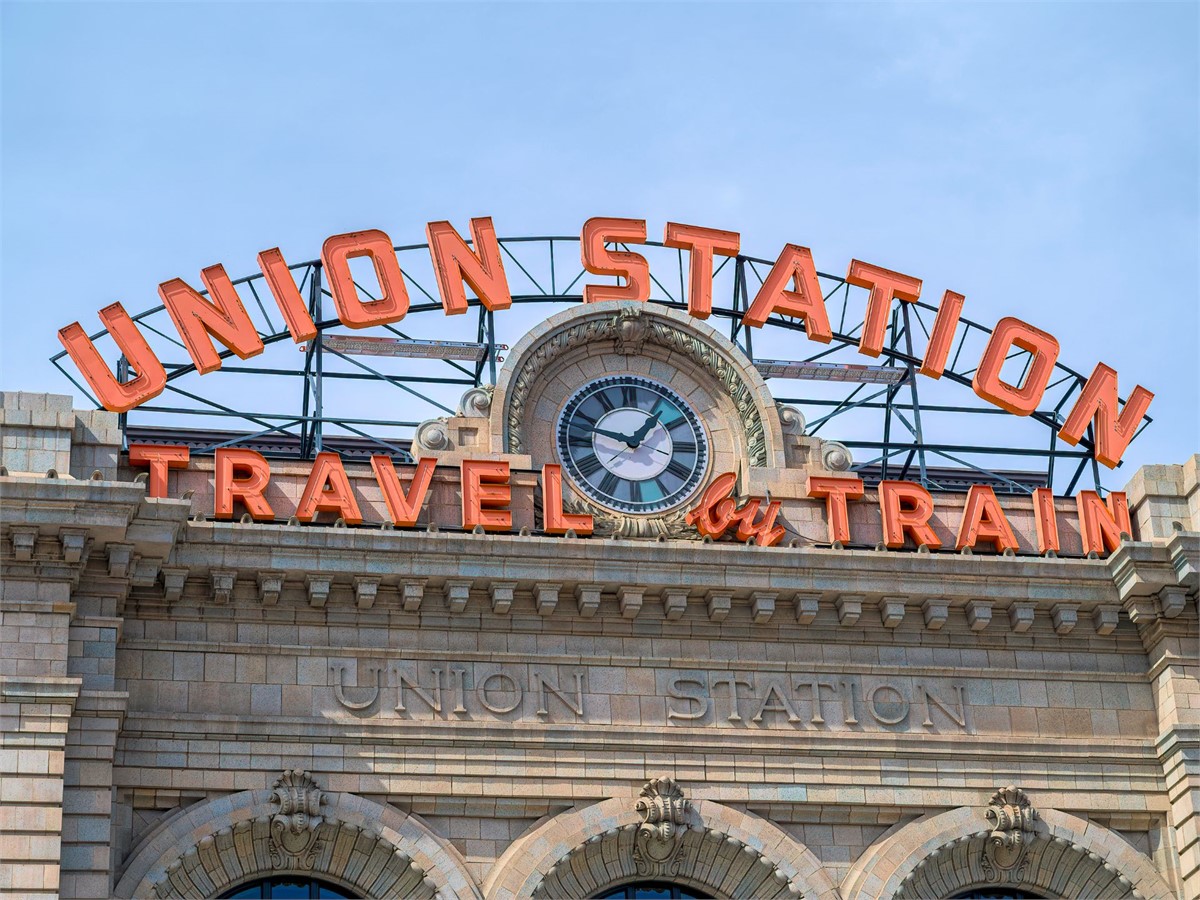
632 444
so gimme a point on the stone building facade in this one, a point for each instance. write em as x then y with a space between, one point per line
190 704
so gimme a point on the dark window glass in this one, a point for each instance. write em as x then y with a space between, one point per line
651 890
288 887
985 893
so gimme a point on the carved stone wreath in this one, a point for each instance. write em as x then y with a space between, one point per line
629 329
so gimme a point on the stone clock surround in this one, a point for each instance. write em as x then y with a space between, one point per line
549 364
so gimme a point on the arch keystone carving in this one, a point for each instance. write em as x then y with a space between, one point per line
371 849
295 827
659 842
1057 854
1012 817
722 851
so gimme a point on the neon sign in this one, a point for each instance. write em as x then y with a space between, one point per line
791 289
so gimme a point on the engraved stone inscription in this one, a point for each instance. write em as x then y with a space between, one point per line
451 690
735 699
458 691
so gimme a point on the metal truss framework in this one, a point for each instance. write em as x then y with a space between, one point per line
922 438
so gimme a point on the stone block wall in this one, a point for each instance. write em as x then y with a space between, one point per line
492 705
42 432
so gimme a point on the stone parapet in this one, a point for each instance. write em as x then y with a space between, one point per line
41 432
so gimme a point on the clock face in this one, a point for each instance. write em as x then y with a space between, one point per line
632 444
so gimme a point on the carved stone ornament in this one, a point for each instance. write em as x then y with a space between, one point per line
1011 816
432 434
836 457
294 828
632 331
791 419
658 846
477 401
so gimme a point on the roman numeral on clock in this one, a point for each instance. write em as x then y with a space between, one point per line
608 484
678 469
588 465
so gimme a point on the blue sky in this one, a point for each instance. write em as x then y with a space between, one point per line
1041 159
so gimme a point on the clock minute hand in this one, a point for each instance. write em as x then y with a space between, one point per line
623 438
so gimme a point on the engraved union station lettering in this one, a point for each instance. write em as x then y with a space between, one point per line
809 701
457 691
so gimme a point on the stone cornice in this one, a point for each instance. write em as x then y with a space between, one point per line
395 554
1184 550
48 689
68 501
437 738
765 667
133 533
1141 569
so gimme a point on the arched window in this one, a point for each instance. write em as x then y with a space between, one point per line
997 893
287 887
651 890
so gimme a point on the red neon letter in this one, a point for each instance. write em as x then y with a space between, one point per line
328 490
984 520
455 262
159 458
1045 520
906 507
557 521
713 514
884 285
403 508
599 260
393 301
1023 399
836 492
112 394
942 334
1101 527
485 495
702 244
1113 431
795 264
287 295
243 475
221 316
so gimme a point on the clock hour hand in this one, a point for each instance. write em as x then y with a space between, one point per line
640 435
